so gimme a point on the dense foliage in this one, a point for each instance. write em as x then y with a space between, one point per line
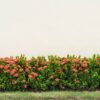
71 72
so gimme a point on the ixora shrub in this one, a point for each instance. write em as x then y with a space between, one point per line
70 72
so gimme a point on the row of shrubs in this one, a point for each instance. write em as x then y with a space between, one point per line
54 73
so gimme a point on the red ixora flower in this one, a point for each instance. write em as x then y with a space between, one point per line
10 60
32 75
16 75
1 66
6 67
40 68
64 61
12 71
76 60
27 68
84 65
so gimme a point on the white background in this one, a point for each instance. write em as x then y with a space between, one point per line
45 27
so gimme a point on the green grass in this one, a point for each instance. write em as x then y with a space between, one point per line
56 95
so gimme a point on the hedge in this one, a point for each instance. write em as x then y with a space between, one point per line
55 73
